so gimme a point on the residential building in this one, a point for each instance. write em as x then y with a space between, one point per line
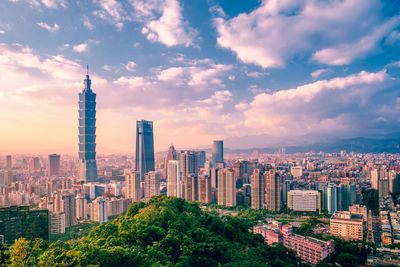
304 200
151 184
132 185
20 221
173 178
348 226
272 191
257 189
226 188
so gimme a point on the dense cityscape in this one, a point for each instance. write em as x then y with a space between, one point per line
200 133
350 196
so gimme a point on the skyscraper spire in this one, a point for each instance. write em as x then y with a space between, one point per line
87 132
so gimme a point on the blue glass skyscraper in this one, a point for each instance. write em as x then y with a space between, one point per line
87 133
144 147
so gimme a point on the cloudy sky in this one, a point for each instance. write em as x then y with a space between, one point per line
253 72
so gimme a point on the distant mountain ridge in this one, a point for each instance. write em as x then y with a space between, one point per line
358 145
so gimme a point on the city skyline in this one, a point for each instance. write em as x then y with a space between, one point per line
202 71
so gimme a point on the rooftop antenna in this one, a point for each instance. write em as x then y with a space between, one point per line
87 69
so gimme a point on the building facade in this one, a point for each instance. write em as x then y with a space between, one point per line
144 148
257 189
87 133
226 188
54 165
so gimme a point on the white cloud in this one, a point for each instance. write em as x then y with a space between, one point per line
325 105
80 48
46 3
54 3
195 76
112 11
346 53
130 66
164 22
87 23
46 26
317 73
278 30
83 47
2 32
256 74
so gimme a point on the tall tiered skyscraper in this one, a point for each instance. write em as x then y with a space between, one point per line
87 133
144 148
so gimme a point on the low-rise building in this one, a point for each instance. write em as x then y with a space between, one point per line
348 226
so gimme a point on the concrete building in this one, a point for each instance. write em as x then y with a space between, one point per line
204 187
151 184
188 162
98 210
297 171
348 226
20 221
56 223
8 162
34 164
173 178
82 207
375 177
257 189
304 200
226 188
54 165
272 191
132 186
307 248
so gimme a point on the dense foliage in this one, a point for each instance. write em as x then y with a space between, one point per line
165 231
75 232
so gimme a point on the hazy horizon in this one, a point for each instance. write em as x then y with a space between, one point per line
254 73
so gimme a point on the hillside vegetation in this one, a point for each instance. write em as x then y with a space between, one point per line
165 231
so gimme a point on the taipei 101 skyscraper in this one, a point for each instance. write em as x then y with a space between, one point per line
87 133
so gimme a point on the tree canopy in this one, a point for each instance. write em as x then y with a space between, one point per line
165 231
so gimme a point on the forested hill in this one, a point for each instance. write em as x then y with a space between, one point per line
165 231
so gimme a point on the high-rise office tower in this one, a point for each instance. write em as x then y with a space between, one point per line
257 189
226 188
218 152
144 148
54 164
133 190
34 164
273 191
171 155
201 158
8 162
151 184
173 178
87 133
189 162
204 187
